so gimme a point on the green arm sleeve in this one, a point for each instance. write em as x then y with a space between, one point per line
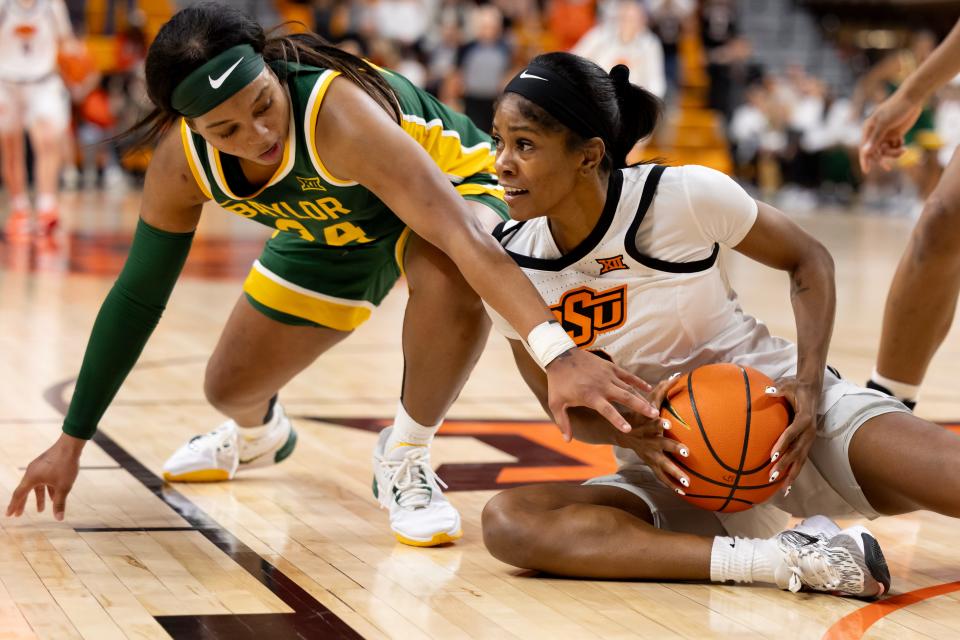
126 319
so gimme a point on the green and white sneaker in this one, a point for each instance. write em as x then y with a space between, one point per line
221 453
406 485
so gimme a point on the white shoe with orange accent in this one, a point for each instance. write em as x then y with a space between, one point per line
18 226
406 485
221 453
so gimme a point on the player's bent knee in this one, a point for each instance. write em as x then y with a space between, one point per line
223 393
937 234
436 275
504 532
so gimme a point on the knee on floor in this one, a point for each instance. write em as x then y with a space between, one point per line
504 529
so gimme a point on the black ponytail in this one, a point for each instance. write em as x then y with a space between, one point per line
640 113
626 109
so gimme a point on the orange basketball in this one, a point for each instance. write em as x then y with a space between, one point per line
729 425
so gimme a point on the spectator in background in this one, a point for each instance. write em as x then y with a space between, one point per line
718 23
757 137
669 18
731 69
568 21
94 120
626 39
33 101
482 66
441 54
403 21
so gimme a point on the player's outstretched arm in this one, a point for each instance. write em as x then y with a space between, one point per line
884 130
645 436
778 242
170 211
362 143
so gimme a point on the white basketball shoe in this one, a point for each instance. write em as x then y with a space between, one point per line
818 556
406 484
219 454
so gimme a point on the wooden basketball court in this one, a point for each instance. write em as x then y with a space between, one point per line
301 550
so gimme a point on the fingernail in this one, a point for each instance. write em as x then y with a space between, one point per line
626 428
680 492
673 375
770 390
774 476
773 458
665 424
685 482
684 453
787 492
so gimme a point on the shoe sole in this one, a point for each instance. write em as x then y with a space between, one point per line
876 563
874 560
437 539
203 475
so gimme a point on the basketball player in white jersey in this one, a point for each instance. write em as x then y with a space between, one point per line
627 258
32 100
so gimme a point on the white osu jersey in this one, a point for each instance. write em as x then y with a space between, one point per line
646 287
30 35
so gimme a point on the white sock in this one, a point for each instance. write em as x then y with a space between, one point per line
744 560
902 390
407 431
254 433
20 202
46 202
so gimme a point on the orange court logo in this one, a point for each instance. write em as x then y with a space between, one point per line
586 313
611 264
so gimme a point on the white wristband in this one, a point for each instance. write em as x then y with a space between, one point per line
549 340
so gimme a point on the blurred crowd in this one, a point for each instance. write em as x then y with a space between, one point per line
791 137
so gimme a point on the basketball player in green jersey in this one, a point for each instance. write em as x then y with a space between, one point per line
340 158
923 296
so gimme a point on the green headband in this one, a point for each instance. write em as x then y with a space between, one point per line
217 80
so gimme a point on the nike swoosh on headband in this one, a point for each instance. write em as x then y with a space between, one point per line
527 76
216 84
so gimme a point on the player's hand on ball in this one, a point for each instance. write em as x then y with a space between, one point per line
577 378
791 450
646 439
54 471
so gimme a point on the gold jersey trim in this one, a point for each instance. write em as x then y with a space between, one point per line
286 164
274 292
446 149
310 128
193 160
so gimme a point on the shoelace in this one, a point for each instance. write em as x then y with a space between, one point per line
811 566
410 478
218 433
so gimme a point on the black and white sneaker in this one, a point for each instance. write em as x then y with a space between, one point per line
819 557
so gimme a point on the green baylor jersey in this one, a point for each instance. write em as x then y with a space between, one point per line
304 199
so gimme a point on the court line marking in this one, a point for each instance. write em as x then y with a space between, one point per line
854 625
851 627
310 618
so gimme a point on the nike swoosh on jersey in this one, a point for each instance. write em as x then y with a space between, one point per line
528 76
216 84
